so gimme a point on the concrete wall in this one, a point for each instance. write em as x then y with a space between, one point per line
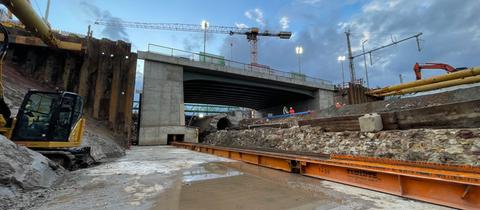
159 135
162 103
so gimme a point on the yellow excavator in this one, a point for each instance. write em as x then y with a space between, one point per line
48 122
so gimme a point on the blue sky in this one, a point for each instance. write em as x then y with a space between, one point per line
451 30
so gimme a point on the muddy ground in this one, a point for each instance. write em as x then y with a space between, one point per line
164 177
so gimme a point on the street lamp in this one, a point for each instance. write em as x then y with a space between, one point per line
205 25
341 59
365 61
299 52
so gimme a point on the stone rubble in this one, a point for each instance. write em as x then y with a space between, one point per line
25 168
25 175
447 146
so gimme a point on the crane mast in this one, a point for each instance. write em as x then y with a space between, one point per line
251 33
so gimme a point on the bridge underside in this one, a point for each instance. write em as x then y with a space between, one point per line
214 92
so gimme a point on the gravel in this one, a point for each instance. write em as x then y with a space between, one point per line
25 175
448 146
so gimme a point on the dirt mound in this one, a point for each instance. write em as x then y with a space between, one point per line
104 146
25 168
25 175
449 146
101 141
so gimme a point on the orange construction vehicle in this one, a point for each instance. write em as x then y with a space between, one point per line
418 68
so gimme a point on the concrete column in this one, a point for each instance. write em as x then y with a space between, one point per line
323 99
162 103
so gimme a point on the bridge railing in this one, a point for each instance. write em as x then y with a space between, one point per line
220 60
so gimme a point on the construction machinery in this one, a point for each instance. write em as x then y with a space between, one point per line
252 34
48 122
417 68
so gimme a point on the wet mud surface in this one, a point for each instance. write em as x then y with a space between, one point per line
172 178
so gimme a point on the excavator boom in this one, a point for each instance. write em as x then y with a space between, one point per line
417 68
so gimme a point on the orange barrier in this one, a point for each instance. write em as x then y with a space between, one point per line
449 185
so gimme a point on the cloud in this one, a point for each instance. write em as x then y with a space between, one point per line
446 39
241 25
256 15
115 33
311 2
284 22
404 18
193 42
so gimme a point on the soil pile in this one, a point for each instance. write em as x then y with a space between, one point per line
24 171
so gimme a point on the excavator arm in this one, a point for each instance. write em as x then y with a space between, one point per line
35 24
417 68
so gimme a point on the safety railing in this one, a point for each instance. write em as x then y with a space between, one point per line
220 60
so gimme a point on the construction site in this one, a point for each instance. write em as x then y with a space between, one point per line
89 121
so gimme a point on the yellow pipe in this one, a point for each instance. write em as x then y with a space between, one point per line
25 13
434 86
455 75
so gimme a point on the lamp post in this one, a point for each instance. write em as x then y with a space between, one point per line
299 52
365 61
204 28
341 59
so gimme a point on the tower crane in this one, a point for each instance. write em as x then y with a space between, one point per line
251 33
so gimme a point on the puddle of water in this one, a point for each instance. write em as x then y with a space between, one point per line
208 171
236 185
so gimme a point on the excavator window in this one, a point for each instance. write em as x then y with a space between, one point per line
47 116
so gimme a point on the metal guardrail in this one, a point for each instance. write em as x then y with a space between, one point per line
219 60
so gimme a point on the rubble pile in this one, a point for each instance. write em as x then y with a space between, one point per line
448 146
288 121
25 168
25 175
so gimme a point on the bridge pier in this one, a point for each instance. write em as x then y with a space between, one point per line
162 105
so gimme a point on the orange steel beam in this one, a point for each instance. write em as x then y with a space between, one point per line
449 185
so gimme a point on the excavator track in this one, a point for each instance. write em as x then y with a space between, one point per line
449 185
71 159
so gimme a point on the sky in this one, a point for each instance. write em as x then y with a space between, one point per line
451 32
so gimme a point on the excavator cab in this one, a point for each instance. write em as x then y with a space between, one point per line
49 119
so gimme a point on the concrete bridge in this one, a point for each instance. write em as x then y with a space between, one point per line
170 81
